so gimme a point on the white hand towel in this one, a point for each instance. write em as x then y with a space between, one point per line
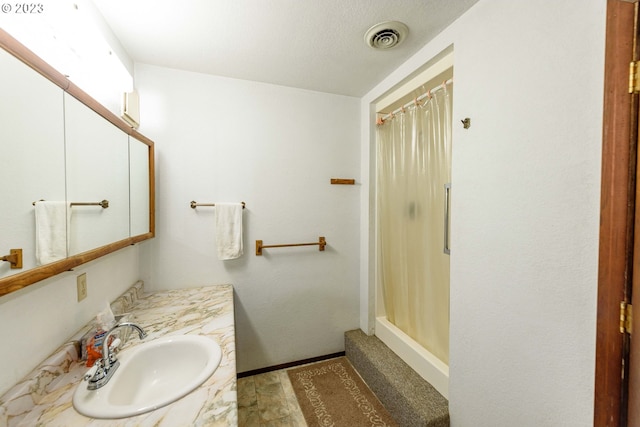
229 230
52 223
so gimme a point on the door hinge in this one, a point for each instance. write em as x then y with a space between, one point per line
634 80
626 317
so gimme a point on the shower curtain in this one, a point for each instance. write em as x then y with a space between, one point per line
414 165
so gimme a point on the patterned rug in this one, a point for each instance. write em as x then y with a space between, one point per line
332 394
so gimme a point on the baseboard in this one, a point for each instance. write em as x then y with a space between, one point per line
290 364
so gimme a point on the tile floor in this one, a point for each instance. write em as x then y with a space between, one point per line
268 400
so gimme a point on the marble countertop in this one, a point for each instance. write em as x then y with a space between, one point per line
44 397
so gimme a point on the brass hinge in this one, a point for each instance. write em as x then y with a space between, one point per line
634 80
626 317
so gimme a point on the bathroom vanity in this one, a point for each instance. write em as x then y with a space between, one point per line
45 396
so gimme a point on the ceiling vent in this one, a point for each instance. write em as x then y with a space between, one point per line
386 35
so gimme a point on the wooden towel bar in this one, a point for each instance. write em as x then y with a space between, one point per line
259 246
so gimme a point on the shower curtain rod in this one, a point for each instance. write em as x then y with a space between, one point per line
414 102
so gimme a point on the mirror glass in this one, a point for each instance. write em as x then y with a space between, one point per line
32 159
139 186
97 169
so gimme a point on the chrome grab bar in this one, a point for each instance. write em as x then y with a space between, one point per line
447 213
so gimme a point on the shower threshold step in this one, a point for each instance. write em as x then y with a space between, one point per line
410 399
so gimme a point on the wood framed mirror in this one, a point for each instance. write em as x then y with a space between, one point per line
61 140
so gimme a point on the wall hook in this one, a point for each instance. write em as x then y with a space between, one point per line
466 123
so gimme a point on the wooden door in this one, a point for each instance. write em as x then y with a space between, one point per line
617 223
632 368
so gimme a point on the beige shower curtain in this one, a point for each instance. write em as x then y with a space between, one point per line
414 165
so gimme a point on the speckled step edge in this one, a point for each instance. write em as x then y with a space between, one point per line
29 392
410 399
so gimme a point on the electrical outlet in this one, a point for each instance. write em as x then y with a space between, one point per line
81 281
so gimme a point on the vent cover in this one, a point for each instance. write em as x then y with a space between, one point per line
386 35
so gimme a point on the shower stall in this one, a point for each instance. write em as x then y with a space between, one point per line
413 195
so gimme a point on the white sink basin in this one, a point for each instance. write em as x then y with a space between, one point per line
151 375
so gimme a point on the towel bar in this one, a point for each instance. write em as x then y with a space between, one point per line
104 203
194 204
259 246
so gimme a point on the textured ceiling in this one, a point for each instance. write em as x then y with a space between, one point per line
308 44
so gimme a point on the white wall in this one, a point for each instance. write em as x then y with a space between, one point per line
36 320
275 148
525 203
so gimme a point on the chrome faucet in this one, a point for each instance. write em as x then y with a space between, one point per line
109 358
104 368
